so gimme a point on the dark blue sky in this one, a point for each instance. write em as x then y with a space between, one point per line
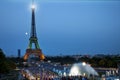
63 26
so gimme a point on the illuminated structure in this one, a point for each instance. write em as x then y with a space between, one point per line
33 40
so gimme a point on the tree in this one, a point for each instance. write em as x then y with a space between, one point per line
103 62
2 56
5 65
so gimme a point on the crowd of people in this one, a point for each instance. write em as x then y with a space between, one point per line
43 71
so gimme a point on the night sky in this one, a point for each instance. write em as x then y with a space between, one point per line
64 27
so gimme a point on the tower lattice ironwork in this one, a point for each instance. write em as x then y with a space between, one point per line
33 40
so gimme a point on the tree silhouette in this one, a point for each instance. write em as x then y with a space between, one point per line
5 65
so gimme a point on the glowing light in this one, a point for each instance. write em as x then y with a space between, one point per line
84 74
26 33
82 69
64 73
75 71
33 6
83 63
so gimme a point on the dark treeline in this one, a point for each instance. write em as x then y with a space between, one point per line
62 60
6 64
107 61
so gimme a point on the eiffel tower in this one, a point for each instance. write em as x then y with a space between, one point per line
33 40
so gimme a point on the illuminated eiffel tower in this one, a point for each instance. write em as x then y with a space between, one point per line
33 40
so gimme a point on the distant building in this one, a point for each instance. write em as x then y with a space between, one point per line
80 56
19 53
76 57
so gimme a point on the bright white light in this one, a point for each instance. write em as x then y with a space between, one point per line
64 73
26 33
82 69
33 6
74 71
84 74
83 63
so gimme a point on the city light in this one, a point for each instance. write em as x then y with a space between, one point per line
83 63
75 71
33 6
